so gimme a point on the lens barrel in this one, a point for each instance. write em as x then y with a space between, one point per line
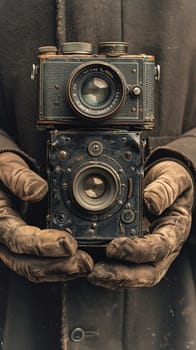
96 90
95 187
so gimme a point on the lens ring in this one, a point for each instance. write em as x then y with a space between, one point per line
96 90
95 187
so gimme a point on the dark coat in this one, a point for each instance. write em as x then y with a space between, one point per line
162 317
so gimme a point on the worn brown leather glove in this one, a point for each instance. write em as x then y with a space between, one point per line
39 255
143 262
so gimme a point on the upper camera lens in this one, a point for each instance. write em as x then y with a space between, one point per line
96 90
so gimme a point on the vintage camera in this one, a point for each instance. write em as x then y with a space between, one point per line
96 106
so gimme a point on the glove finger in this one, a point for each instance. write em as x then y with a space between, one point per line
20 180
26 239
23 239
46 269
112 275
169 232
164 182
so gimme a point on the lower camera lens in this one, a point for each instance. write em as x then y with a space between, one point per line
95 187
96 90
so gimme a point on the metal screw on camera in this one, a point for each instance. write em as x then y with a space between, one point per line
95 148
60 217
62 155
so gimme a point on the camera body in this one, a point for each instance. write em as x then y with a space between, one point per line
97 106
124 85
95 181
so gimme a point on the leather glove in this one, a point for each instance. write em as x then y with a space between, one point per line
143 262
39 255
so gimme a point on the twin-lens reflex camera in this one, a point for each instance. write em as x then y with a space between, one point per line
96 107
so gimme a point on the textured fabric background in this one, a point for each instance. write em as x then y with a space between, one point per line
159 318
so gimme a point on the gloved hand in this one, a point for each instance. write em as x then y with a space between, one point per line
39 255
143 262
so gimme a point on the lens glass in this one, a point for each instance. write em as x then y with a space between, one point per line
94 186
95 91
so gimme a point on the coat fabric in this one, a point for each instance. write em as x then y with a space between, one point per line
162 317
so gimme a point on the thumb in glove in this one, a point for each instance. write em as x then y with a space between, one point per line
19 179
168 194
164 183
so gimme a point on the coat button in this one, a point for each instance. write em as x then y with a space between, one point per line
77 335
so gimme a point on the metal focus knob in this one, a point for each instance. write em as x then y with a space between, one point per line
136 90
